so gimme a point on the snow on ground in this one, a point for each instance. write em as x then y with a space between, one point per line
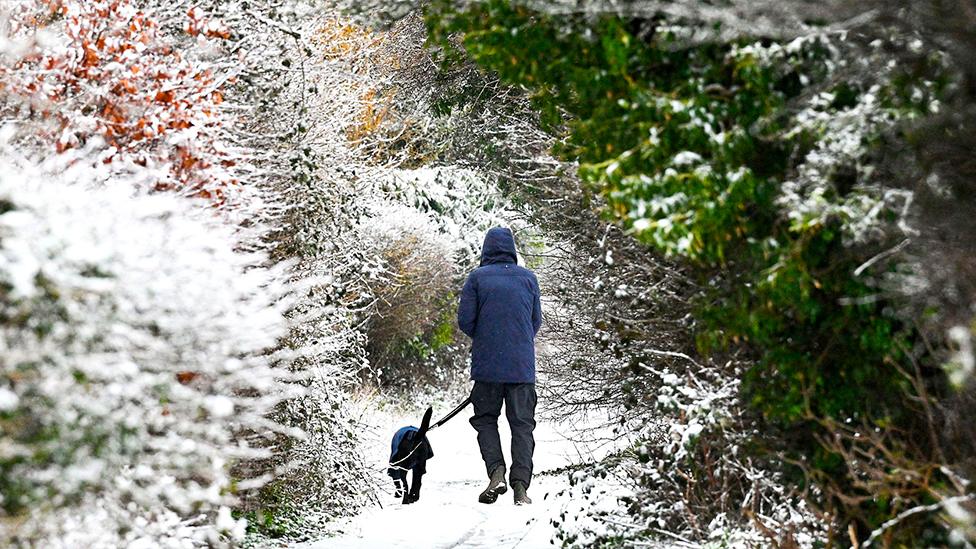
448 514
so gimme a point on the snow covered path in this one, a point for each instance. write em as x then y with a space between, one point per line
448 514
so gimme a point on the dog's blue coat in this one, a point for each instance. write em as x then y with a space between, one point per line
500 310
398 438
397 453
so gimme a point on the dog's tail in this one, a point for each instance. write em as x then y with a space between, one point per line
425 424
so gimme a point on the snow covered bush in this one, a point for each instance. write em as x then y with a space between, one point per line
456 206
131 336
414 298
107 70
689 475
319 476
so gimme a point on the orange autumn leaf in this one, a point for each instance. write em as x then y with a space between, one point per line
141 99
164 97
186 377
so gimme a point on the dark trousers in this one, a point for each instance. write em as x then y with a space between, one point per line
519 399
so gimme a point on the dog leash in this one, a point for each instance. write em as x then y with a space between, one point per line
450 414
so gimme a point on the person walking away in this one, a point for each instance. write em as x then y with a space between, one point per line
500 310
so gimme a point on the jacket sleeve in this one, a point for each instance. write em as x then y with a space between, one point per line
467 314
536 307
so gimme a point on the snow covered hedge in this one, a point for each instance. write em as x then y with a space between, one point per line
785 173
131 341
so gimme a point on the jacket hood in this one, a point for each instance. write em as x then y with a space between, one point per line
499 247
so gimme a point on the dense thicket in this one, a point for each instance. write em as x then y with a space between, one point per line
767 164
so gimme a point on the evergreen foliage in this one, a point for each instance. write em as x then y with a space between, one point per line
756 162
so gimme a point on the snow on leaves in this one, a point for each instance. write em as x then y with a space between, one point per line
104 70
128 369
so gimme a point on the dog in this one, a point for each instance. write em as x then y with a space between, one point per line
410 451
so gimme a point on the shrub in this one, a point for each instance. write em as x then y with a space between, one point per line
105 70
132 337
413 315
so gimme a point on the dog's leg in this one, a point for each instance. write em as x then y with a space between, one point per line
406 487
400 484
406 491
418 475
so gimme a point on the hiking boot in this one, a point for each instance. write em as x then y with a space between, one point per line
496 485
521 498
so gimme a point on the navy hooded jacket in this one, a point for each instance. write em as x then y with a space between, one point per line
500 310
